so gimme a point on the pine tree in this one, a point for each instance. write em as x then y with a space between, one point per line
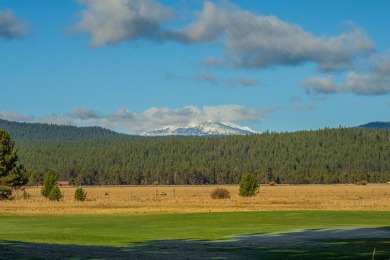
80 194
55 193
12 174
49 182
249 185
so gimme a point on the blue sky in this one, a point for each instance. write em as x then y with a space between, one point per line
137 65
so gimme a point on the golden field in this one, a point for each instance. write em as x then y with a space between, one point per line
181 199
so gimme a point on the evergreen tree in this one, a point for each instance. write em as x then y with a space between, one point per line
80 194
249 185
12 174
55 193
49 182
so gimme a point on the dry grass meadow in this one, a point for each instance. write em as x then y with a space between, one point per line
183 199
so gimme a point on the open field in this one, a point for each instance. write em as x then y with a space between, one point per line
183 222
184 199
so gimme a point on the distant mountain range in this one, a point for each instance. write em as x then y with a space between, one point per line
202 129
42 131
376 125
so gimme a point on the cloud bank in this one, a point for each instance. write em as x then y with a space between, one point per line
250 41
375 80
253 41
153 118
11 27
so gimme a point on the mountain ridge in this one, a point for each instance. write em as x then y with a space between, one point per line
202 129
376 125
44 131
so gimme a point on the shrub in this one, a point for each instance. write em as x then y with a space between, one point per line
55 194
220 193
364 182
5 192
249 185
80 194
25 195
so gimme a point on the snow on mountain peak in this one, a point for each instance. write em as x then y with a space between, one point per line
202 129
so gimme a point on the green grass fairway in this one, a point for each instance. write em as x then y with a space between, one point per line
129 232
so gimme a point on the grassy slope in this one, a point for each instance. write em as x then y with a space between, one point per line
122 230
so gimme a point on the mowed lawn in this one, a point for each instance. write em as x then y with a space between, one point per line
84 235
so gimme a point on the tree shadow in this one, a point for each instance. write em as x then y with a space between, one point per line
307 244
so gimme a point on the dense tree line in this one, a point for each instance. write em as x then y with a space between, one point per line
343 155
40 131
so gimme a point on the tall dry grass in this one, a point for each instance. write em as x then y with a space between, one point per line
181 199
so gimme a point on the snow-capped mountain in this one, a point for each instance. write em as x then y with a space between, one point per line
203 129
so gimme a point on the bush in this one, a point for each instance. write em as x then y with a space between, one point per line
249 185
55 194
5 192
220 193
80 194
364 182
25 195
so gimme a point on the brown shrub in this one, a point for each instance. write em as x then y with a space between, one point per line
220 193
364 182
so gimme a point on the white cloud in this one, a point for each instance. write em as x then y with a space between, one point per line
253 41
233 82
375 80
58 120
232 113
11 27
150 119
82 114
110 22
208 27
13 116
249 40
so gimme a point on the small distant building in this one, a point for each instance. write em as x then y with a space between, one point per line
63 183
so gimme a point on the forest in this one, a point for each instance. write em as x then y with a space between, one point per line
41 131
342 155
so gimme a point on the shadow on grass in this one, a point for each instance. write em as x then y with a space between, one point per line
306 244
